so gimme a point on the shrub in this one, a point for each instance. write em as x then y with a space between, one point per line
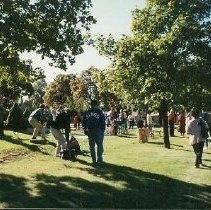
16 119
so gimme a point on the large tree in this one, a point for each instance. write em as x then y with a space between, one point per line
107 94
13 82
52 28
167 58
68 90
59 91
90 85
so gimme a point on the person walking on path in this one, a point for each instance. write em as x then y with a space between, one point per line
196 140
94 126
36 120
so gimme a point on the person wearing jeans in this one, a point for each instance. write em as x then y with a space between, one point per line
96 136
94 127
198 149
195 137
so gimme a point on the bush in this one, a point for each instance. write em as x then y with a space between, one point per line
16 119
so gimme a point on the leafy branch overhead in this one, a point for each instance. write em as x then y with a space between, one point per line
166 57
166 61
53 29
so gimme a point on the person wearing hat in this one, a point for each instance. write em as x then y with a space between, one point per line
94 126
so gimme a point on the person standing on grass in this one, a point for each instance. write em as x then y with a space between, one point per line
204 115
171 119
181 123
36 120
195 136
94 126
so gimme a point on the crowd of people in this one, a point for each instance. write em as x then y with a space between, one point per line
97 123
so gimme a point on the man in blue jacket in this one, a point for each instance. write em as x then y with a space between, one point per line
94 127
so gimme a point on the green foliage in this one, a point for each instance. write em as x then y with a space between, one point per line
76 91
105 45
107 94
14 82
16 119
90 85
59 90
53 29
167 57
39 91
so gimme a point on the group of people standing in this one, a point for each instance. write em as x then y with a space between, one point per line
94 125
197 128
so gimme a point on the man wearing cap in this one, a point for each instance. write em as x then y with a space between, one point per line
94 127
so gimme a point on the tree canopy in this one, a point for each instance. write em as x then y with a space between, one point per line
52 28
166 61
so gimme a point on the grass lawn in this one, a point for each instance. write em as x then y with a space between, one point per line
136 175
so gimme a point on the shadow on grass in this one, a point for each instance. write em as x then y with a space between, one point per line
207 160
152 142
85 153
141 190
18 141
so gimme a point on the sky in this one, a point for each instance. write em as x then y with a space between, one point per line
114 17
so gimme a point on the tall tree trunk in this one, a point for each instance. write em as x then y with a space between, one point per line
164 111
160 118
1 121
1 129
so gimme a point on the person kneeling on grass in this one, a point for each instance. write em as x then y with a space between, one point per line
62 121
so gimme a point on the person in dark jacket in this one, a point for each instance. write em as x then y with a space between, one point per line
94 127
62 121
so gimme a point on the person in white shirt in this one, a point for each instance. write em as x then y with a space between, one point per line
195 137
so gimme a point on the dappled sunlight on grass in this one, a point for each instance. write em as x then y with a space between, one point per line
135 175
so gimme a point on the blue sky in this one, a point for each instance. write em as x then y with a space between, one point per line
113 16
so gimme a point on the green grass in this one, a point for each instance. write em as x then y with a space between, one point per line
136 175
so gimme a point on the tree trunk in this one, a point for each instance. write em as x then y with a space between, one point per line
1 129
160 118
1 121
164 111
166 132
